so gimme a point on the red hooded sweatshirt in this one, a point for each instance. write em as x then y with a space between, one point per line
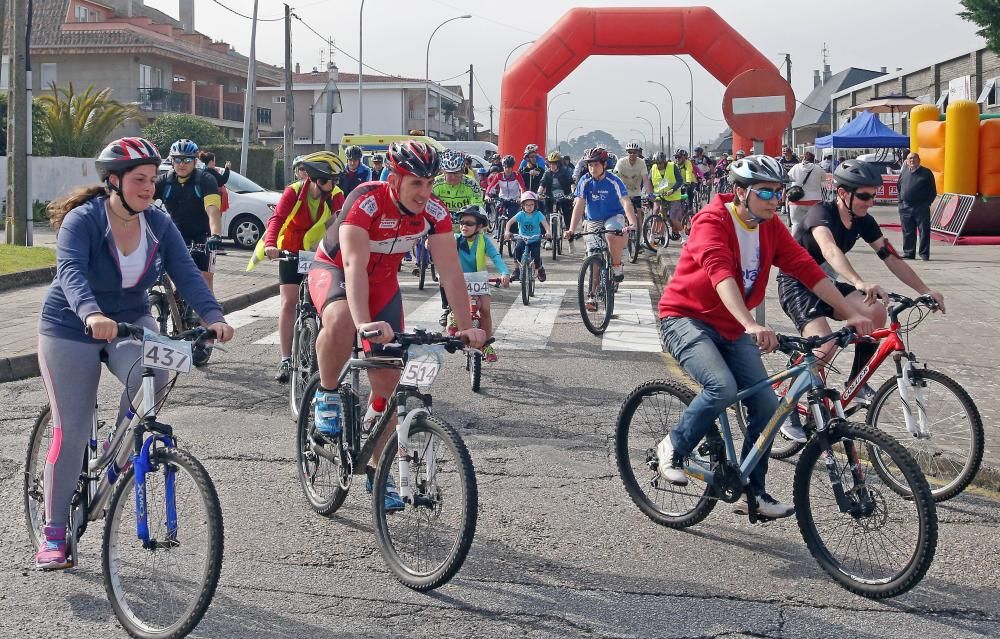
712 253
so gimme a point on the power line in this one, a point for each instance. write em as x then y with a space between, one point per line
497 22
707 117
331 44
451 78
234 11
475 76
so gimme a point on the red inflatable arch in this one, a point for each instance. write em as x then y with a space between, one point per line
583 32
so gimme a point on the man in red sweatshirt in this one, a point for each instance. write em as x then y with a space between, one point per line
705 319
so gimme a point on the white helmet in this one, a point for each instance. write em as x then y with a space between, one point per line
452 162
757 168
529 195
632 146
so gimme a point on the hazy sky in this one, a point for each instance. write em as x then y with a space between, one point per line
605 91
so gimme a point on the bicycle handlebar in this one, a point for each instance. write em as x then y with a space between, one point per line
790 344
619 232
422 337
197 334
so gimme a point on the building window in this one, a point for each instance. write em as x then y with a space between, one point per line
278 99
86 14
48 75
990 95
5 73
150 77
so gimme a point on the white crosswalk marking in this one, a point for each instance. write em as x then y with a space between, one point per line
426 315
634 326
527 328
261 310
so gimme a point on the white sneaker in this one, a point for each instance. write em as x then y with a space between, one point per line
865 395
547 246
794 432
671 466
767 506
684 239
618 273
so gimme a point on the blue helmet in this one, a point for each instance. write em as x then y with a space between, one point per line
183 148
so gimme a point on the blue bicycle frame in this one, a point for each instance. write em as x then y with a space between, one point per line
806 378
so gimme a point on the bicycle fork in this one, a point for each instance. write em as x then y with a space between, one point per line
857 502
405 455
912 396
143 466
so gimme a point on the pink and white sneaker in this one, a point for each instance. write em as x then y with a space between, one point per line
52 551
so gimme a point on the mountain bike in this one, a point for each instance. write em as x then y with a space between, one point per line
870 539
424 544
596 287
163 534
477 284
171 312
929 413
527 267
557 224
506 209
304 332
425 263
656 229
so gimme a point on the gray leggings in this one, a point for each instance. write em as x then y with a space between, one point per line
71 371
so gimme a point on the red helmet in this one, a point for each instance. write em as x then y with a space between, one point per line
596 154
125 153
410 157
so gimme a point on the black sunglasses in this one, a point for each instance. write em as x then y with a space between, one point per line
182 160
468 223
321 181
864 197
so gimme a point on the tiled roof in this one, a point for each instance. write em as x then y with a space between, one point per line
48 34
319 77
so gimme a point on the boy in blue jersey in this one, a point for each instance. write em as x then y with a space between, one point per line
474 247
531 224
604 198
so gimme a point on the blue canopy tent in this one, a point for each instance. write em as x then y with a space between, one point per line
865 131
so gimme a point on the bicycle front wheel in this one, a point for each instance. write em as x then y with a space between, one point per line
161 588
654 233
475 370
873 541
424 264
593 295
426 543
952 453
318 475
303 360
525 279
633 246
648 415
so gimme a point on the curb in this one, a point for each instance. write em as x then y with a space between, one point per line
25 366
10 281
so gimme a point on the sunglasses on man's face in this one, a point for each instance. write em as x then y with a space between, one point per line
864 197
321 181
769 194
183 160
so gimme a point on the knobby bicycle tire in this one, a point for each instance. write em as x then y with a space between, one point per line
475 370
929 457
304 363
468 502
655 243
424 264
703 503
633 246
525 278
122 501
869 523
594 267
308 464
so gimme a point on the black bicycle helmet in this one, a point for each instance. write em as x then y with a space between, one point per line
508 161
474 211
596 154
353 152
854 174
410 157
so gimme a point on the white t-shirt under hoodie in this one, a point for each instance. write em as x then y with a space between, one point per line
133 264
749 238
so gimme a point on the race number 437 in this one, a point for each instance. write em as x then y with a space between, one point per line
164 353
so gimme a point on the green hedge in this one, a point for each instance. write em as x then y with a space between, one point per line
260 161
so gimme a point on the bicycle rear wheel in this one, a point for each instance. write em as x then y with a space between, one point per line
162 588
593 287
34 476
426 543
873 541
951 456
319 475
303 360
654 233
648 415
633 246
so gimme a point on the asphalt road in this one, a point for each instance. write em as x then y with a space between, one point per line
560 549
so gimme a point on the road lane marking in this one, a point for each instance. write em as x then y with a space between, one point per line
426 315
633 328
528 328
265 309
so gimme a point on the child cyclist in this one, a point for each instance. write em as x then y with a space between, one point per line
531 223
474 246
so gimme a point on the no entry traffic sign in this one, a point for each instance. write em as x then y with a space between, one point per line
758 104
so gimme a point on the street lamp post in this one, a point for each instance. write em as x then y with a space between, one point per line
557 121
523 44
548 107
659 119
651 131
361 67
427 72
671 128
568 136
690 105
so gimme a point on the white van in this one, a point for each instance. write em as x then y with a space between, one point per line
482 149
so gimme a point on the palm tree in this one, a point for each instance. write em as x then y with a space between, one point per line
80 124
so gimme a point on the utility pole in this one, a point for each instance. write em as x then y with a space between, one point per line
788 76
289 140
472 112
491 125
248 102
331 91
18 135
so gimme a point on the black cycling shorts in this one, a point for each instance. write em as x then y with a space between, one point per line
802 305
288 272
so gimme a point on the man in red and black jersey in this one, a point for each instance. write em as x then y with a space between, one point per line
353 279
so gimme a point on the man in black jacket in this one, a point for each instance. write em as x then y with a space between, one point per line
917 191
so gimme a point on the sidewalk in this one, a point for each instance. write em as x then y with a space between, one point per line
962 344
234 287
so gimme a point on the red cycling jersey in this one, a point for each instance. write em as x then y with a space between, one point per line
506 187
391 234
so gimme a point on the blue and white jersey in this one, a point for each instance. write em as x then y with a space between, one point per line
603 196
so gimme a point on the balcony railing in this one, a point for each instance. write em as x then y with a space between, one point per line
164 100
206 107
232 111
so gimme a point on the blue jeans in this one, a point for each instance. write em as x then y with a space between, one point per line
722 367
